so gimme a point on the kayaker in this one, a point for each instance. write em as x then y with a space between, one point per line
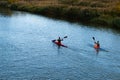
97 44
59 40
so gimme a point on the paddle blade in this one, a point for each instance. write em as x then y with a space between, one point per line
93 38
53 40
65 37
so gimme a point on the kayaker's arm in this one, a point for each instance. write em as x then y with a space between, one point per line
64 38
94 39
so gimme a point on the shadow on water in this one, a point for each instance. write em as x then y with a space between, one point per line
102 27
59 49
75 49
5 12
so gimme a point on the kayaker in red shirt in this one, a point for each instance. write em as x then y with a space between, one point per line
59 40
97 45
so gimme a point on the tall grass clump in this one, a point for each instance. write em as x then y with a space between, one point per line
100 12
116 23
12 1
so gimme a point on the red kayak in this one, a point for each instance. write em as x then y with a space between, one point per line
59 44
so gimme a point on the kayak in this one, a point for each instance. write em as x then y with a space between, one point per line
99 48
59 44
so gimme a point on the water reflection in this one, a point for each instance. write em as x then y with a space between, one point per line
5 12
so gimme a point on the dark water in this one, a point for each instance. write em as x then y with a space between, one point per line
27 53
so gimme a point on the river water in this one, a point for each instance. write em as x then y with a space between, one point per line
27 53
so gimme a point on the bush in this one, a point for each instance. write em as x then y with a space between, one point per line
84 3
12 1
116 22
105 20
100 21
71 2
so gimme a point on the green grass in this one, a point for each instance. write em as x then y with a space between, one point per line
96 12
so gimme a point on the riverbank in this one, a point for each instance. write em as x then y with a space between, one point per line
94 12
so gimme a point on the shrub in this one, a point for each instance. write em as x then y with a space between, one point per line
12 1
71 2
84 3
116 22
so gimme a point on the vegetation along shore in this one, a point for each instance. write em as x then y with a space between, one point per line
104 13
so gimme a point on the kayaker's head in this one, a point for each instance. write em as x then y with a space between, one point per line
97 42
59 38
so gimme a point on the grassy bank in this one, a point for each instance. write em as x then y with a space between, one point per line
96 12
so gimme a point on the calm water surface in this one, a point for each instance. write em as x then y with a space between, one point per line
27 53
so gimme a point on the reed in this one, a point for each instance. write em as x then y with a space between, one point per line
96 12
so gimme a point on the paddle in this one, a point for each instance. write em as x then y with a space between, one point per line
94 39
64 38
61 39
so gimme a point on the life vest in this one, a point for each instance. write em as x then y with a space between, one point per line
96 46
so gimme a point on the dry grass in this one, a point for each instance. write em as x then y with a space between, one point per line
103 12
91 4
100 5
